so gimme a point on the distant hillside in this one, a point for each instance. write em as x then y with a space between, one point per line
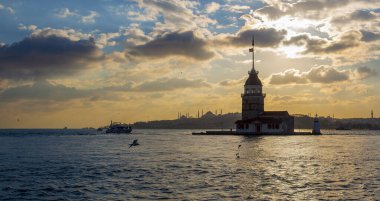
227 121
207 121
306 122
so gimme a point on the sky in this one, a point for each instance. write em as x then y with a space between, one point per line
84 63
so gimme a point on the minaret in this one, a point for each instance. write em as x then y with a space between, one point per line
253 97
371 114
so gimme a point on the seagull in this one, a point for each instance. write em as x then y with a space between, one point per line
134 143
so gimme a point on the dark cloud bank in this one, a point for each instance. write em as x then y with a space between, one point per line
264 37
39 57
185 44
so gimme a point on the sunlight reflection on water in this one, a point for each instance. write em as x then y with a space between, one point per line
173 164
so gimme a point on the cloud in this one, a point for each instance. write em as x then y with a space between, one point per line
264 37
86 19
331 89
233 83
68 33
322 74
43 57
29 28
42 90
326 75
8 9
101 39
363 15
47 91
212 7
309 9
176 15
315 75
270 12
89 19
304 99
358 88
315 45
291 76
358 15
185 44
135 36
236 8
365 72
104 39
168 84
368 36
65 12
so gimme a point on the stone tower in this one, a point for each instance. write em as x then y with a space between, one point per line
253 97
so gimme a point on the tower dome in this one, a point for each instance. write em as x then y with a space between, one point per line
253 79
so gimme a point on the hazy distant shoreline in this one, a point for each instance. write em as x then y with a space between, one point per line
227 121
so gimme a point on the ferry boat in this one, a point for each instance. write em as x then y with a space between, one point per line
117 127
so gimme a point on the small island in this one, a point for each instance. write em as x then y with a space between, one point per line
254 120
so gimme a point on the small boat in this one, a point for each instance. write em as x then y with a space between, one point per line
117 127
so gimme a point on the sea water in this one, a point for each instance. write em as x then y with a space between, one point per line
173 164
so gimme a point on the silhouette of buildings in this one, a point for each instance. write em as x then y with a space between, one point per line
255 119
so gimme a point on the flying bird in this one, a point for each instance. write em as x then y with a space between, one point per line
134 143
239 146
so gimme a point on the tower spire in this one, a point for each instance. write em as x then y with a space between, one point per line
253 53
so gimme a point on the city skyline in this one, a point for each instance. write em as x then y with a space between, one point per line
81 64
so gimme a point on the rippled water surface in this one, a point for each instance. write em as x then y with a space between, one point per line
173 164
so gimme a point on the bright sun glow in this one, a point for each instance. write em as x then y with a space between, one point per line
292 51
292 23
